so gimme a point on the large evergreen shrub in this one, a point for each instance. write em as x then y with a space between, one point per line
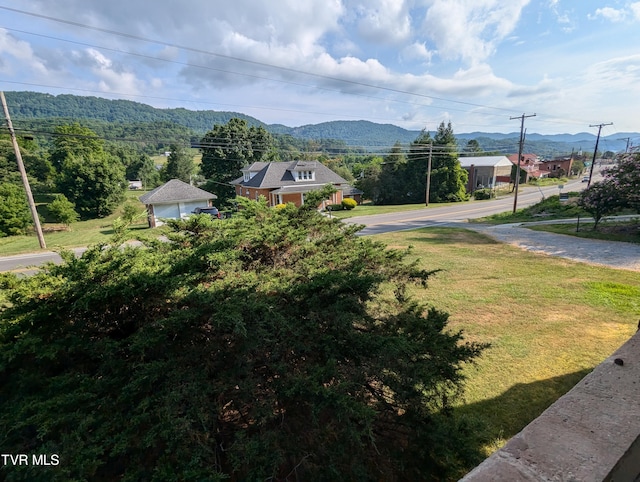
274 345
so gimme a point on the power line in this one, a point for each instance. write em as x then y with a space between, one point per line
251 62
246 61
289 82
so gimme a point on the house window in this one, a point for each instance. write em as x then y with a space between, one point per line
246 176
304 175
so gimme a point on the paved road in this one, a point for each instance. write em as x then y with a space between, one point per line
420 218
23 262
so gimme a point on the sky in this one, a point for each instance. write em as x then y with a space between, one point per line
479 64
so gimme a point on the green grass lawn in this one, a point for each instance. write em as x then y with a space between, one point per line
549 321
82 233
628 231
372 209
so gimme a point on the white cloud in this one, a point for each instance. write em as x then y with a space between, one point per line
384 21
22 53
608 13
417 51
112 77
564 17
631 12
635 10
470 29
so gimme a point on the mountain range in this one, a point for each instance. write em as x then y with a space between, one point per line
365 135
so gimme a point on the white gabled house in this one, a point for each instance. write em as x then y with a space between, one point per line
486 171
175 199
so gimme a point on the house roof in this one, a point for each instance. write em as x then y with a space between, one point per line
350 190
525 157
176 190
484 161
273 175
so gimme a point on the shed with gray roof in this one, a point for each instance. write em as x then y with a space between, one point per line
175 199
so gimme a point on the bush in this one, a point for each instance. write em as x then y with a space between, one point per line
15 217
62 210
349 204
276 345
485 193
334 207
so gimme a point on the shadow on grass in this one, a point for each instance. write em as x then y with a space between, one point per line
139 227
504 416
441 236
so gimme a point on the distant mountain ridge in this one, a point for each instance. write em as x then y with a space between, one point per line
359 133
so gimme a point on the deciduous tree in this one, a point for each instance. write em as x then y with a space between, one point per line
15 217
626 179
601 199
95 183
227 148
89 177
74 140
63 210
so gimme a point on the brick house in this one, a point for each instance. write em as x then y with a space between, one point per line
285 182
561 165
531 164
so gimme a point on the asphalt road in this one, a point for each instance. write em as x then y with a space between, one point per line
25 263
438 216
382 223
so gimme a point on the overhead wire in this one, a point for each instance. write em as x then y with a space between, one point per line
263 64
245 74
247 61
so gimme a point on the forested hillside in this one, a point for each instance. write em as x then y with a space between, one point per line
29 105
127 119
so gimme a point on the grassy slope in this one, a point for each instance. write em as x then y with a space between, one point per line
550 321
82 233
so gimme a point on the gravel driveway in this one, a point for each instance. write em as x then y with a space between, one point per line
593 251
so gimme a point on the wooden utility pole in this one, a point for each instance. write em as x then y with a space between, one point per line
517 179
23 174
628 139
429 174
595 151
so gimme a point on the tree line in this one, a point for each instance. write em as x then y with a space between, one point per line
89 174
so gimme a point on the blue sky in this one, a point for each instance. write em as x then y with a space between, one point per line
412 63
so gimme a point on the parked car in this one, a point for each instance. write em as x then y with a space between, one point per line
212 210
585 178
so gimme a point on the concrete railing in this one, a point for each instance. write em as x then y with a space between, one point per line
591 434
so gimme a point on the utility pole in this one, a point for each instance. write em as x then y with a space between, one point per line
429 174
628 139
595 151
23 174
517 179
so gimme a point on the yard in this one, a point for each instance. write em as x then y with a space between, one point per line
82 233
549 321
